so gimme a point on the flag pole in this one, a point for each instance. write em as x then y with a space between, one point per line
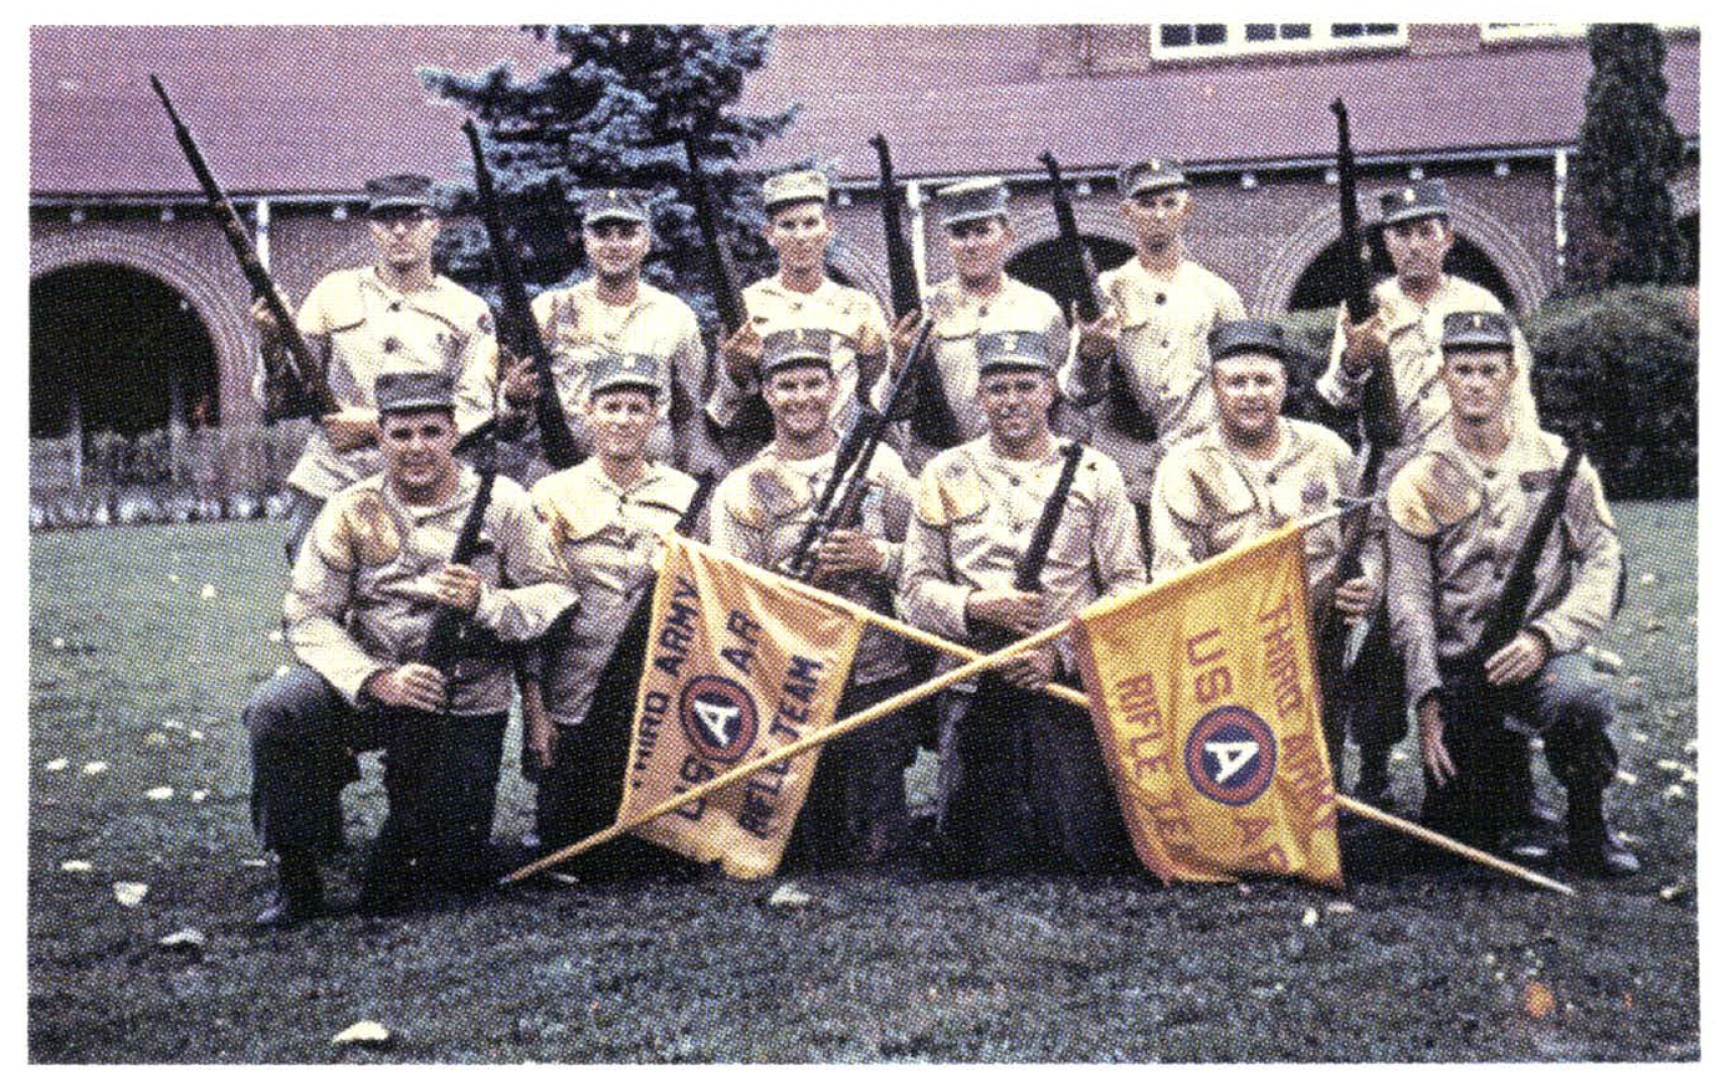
1078 698
982 663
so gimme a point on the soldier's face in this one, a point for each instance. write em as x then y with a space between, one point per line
1158 216
1015 403
616 248
404 237
979 247
1418 248
620 422
800 399
417 447
1249 394
799 233
1479 383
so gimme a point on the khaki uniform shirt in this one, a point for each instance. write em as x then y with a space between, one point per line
1210 499
1162 351
843 310
578 326
764 507
1417 363
608 538
1457 525
362 594
974 513
361 327
957 317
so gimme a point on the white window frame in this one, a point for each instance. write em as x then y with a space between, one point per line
1237 45
1529 32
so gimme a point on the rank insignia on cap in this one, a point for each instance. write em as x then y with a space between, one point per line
1408 196
1480 321
1008 342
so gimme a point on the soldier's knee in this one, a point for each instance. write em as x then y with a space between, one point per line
286 707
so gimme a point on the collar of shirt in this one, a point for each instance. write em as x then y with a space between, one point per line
469 482
1288 448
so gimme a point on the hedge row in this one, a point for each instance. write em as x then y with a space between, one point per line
1619 369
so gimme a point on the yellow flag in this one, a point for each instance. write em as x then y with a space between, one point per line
736 666
1206 700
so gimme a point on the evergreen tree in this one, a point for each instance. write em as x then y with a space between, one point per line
1620 226
612 114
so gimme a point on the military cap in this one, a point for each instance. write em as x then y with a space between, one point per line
1233 338
614 206
1472 329
412 391
1012 348
795 186
1148 174
613 370
399 191
793 347
1416 201
977 198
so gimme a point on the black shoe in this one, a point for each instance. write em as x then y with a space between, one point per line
1373 785
1592 847
1541 813
1527 843
299 895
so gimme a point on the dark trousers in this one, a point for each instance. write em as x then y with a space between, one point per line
856 808
1487 732
1023 786
440 773
1368 704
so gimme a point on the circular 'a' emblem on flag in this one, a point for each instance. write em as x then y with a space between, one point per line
719 717
1231 755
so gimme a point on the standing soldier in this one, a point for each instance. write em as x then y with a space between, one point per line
363 595
800 295
1161 305
976 506
615 312
607 517
393 314
979 235
1253 472
855 810
1461 510
1409 312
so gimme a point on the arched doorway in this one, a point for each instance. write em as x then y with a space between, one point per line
1321 284
113 349
1043 265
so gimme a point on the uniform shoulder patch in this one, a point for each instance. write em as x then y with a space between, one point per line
950 488
356 531
1430 494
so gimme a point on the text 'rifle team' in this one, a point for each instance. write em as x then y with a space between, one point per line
1199 463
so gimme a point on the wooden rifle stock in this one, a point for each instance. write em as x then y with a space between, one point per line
930 415
518 332
446 635
308 374
1080 274
1380 414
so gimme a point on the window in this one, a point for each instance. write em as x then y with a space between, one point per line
1177 41
1510 32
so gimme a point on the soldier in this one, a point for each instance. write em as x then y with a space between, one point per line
1161 305
979 235
1461 509
1255 471
1410 309
393 314
976 505
607 516
800 295
363 595
616 312
855 810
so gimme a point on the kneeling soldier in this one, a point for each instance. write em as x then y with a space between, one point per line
607 515
1021 783
1254 471
855 810
1460 510
367 584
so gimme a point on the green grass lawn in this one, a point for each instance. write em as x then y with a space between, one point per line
134 664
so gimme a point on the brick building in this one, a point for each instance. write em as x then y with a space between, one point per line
138 314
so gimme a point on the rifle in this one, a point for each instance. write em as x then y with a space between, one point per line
445 638
1506 619
1080 270
753 426
307 374
867 422
1381 418
1003 821
519 335
930 417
